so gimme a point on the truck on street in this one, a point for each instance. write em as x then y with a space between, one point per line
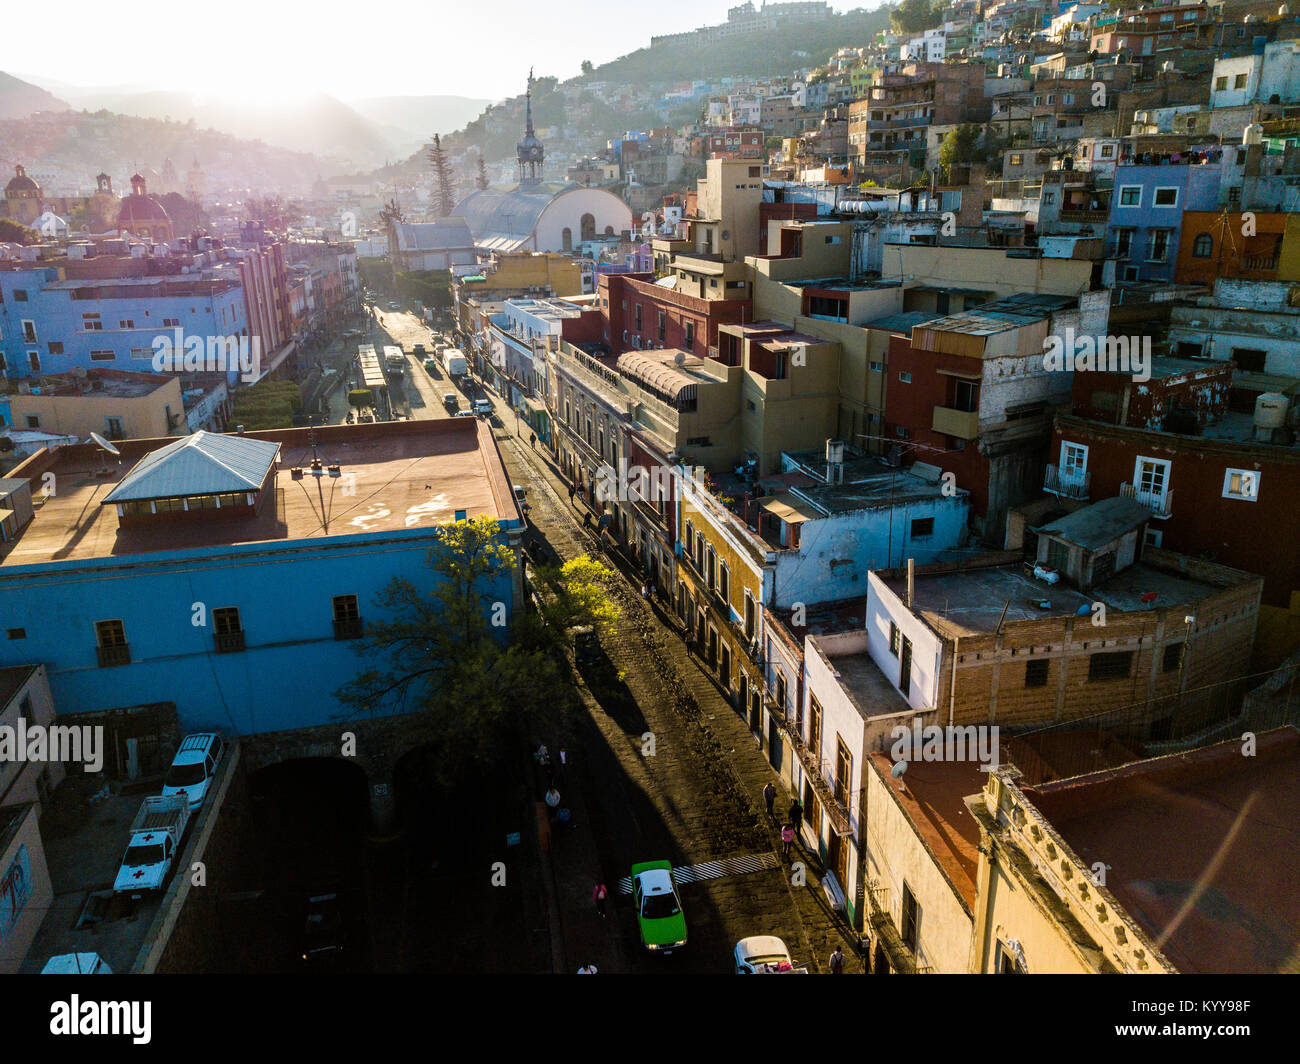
156 835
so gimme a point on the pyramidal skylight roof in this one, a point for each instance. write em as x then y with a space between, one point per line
205 463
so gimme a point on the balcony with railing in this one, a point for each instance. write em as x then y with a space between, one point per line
962 424
1070 484
117 654
820 773
1161 503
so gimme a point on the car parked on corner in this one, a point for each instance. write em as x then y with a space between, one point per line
659 914
194 766
764 955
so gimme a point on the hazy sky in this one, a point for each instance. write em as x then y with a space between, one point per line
275 48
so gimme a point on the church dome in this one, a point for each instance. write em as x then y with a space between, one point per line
139 206
20 182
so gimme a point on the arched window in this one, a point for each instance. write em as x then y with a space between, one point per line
588 224
1203 246
609 230
567 237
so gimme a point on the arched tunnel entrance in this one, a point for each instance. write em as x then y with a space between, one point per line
304 847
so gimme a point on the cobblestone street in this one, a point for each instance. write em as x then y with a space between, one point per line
697 799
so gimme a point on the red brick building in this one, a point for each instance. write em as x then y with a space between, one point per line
640 314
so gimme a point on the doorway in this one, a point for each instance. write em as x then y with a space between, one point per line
905 668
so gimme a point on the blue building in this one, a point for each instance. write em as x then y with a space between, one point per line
49 324
214 574
1146 216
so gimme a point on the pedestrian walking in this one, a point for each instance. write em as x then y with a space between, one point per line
553 801
836 963
769 797
645 590
587 969
787 837
796 811
572 492
532 440
600 895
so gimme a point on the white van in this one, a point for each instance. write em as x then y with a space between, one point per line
194 766
483 407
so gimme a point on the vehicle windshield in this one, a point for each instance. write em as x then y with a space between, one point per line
143 855
659 907
184 775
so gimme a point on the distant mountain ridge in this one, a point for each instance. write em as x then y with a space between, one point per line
19 99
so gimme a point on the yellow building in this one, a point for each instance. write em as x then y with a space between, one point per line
117 404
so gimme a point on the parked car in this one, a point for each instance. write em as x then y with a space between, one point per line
464 413
521 496
194 766
417 349
451 400
586 647
658 909
76 964
483 407
156 835
764 955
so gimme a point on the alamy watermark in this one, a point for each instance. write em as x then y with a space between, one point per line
922 742
42 744
1108 354
176 352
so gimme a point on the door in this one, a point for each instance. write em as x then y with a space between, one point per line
773 743
724 671
905 668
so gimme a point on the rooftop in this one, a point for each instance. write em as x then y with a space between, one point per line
409 475
931 793
206 463
109 383
12 680
868 689
970 600
1217 894
1093 527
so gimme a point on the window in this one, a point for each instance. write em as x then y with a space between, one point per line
1049 197
1241 484
637 314
893 638
1074 461
17 633
814 726
1158 248
1172 658
662 330
29 330
688 340
1017 159
1007 962
91 323
126 323
102 356
110 633
34 360
33 421
923 528
171 323
1239 82
228 632
1151 477
116 431
1036 672
724 582
1249 359
1203 246
54 347
1123 243
1130 196
1114 665
20 295
877 367
1108 151
347 617
1153 537
910 931
1166 197
966 395
905 378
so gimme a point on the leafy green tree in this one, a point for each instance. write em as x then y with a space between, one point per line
958 147
587 68
479 679
912 16
581 596
12 232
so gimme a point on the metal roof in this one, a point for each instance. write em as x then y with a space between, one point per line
1100 524
444 234
206 463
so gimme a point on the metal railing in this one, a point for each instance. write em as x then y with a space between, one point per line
1161 504
1068 485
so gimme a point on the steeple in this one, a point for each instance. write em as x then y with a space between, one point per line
530 150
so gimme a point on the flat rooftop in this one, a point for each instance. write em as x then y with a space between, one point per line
868 689
932 795
969 601
1217 893
412 474
113 384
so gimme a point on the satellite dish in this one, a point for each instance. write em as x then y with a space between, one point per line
103 444
899 768
680 358
79 372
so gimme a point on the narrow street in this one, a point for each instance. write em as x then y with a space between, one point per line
696 800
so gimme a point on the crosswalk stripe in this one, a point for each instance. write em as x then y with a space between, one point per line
728 866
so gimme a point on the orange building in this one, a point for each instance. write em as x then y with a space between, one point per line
1251 245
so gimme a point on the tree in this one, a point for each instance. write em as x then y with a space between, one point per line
587 68
912 16
957 147
273 214
481 178
12 232
581 596
390 213
444 179
442 652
